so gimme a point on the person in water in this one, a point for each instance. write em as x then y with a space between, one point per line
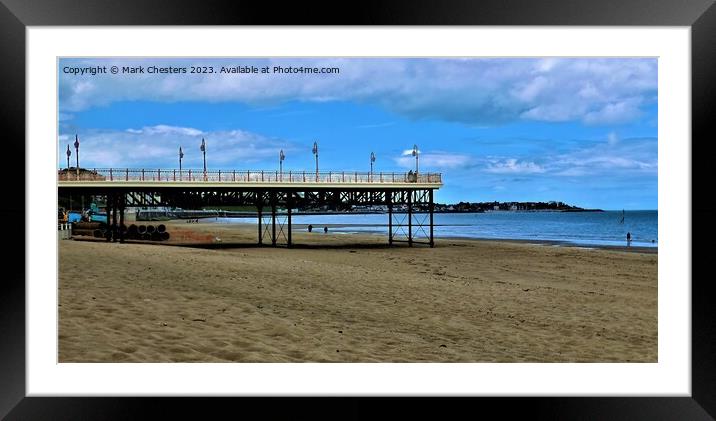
628 239
310 228
325 229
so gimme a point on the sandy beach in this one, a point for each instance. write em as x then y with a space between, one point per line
350 298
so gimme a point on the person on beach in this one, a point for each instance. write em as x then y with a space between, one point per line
628 239
310 228
325 229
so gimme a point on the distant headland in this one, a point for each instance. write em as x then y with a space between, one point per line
551 206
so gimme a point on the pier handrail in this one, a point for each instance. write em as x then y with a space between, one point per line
241 176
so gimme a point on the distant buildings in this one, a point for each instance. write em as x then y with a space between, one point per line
508 206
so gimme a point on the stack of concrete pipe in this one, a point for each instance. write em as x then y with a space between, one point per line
147 232
133 232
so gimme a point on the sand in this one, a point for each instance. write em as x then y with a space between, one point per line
331 300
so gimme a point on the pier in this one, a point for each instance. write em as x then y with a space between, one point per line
275 194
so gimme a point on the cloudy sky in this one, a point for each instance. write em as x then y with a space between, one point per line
581 131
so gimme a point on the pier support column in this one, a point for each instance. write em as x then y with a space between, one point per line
289 205
122 204
115 227
260 208
273 223
389 199
108 212
410 218
431 206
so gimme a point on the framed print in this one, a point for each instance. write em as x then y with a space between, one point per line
407 201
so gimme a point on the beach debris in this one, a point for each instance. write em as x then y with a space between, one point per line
164 324
260 306
340 331
443 346
198 320
525 290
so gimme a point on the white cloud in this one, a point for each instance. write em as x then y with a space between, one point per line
617 112
471 91
158 146
513 166
615 156
433 160
162 129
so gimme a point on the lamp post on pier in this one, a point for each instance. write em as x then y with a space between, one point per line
281 157
77 154
415 154
372 160
181 155
203 149
315 152
68 158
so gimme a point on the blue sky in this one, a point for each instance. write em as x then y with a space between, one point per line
581 131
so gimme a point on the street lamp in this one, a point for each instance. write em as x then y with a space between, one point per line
181 155
203 149
372 160
415 154
68 159
281 157
77 154
315 152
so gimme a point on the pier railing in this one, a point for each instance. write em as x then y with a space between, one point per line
242 176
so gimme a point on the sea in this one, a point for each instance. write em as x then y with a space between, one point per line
608 228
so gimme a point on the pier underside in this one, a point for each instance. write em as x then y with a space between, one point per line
409 210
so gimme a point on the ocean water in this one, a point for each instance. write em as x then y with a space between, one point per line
582 228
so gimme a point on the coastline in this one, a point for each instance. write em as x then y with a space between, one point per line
248 229
350 237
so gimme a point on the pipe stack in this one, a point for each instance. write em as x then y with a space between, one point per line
147 232
132 232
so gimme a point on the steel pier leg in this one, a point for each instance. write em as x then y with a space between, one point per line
410 218
390 218
273 224
260 209
123 200
432 209
289 204
115 228
108 211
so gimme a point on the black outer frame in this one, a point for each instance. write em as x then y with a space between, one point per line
700 15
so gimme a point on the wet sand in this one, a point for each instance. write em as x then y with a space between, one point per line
349 298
